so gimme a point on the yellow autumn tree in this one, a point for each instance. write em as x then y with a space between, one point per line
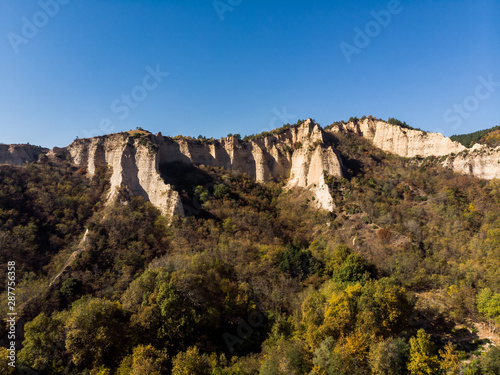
422 361
450 362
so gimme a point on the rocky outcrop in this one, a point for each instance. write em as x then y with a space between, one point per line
298 154
480 161
18 155
401 141
135 167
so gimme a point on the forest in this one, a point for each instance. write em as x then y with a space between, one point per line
402 277
490 137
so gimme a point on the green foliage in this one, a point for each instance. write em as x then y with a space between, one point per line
145 360
299 263
96 332
43 345
6 369
286 358
353 269
490 361
488 304
389 357
42 207
71 287
402 124
253 261
277 131
190 362
385 308
468 140
423 360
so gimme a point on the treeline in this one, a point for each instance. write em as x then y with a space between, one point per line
481 136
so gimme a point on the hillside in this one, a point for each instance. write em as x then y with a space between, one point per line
489 137
302 251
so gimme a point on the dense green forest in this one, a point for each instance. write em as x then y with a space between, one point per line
403 277
490 137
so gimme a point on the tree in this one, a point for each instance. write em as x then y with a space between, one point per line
325 360
488 304
353 269
450 361
341 311
312 318
96 332
145 360
490 361
5 369
389 357
384 307
43 345
191 362
423 361
288 357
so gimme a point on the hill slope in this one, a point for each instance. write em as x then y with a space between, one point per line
253 277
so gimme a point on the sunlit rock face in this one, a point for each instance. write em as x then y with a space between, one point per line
401 141
298 155
479 161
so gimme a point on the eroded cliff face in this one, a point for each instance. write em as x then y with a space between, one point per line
134 167
298 155
480 161
403 142
18 155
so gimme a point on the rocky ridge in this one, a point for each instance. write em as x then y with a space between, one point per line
20 154
300 155
479 161
401 141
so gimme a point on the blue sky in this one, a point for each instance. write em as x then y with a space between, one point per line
82 68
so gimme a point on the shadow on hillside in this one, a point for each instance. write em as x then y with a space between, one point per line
184 178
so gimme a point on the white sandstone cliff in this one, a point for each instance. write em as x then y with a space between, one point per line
400 141
134 166
480 161
299 154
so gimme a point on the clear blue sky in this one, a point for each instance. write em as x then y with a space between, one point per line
266 63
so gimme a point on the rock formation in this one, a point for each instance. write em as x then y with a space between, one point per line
479 161
299 154
20 154
134 165
400 141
